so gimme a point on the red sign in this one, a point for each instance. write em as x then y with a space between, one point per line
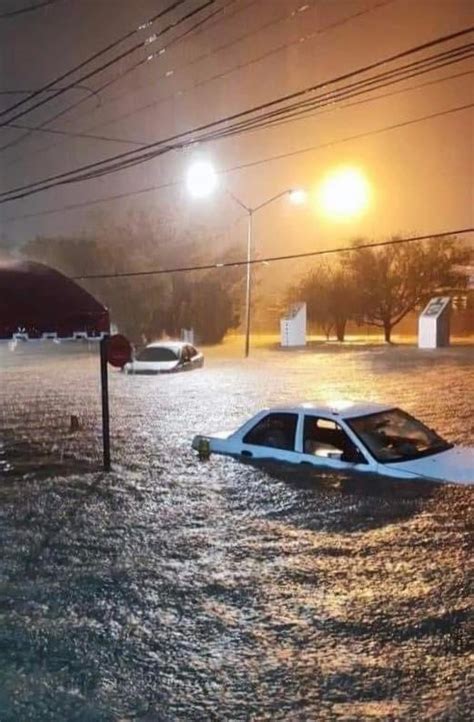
119 350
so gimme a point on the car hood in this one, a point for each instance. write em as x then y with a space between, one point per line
158 366
454 465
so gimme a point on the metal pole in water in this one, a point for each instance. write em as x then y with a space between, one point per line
104 387
248 284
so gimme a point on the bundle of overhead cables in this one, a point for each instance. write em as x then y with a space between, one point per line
434 55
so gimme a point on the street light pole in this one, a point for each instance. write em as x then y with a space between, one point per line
248 288
201 181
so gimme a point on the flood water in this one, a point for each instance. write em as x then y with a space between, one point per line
173 589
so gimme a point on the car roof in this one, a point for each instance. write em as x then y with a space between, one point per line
342 409
174 345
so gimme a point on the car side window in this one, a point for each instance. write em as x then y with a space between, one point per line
324 437
274 430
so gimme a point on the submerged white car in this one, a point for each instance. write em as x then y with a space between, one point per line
164 357
350 436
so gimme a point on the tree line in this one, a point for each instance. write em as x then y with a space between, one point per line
380 286
147 308
376 286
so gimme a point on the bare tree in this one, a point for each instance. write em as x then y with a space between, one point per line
328 291
392 280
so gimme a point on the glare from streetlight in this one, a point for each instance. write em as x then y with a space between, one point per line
344 193
201 179
298 196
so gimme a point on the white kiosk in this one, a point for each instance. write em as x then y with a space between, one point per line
293 326
187 335
433 323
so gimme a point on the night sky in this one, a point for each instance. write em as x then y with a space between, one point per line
421 175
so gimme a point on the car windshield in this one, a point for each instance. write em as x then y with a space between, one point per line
394 435
157 353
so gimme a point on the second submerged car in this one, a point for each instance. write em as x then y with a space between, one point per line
165 357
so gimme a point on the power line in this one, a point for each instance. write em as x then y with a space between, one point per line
28 9
109 63
20 91
285 155
208 54
144 61
90 59
358 136
380 80
273 259
130 158
74 134
279 117
245 126
69 134
240 66
122 74
222 75
261 161
130 153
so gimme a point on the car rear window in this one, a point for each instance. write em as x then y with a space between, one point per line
276 430
157 354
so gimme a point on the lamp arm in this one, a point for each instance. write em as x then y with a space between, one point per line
270 200
238 201
251 211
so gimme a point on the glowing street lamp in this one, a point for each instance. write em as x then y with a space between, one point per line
344 193
298 196
201 181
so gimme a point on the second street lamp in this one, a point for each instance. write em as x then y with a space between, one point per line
201 181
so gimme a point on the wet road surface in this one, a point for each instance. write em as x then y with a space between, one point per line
172 589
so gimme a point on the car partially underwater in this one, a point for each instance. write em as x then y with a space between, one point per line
361 437
165 357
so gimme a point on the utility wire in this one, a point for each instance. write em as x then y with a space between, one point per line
209 54
74 134
69 134
130 158
91 58
132 162
285 115
218 76
261 161
26 92
96 174
121 75
28 9
384 80
273 259
109 63
357 136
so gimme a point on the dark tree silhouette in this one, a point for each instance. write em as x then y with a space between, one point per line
392 280
145 308
329 294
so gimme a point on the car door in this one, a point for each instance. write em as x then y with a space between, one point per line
273 436
325 443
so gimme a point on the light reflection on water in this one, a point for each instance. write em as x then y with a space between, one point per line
173 589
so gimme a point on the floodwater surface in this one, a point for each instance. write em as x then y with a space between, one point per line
173 589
